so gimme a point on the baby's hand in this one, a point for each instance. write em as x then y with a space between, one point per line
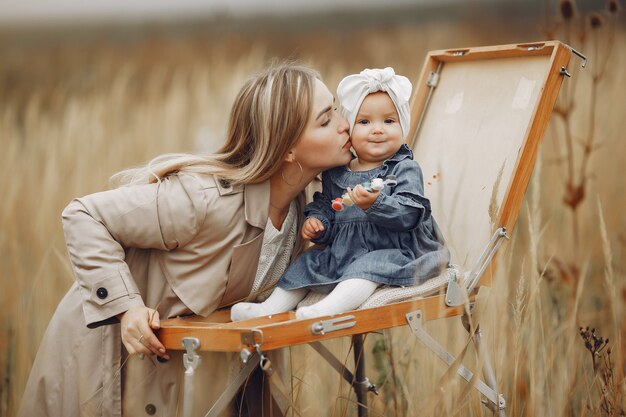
361 197
312 228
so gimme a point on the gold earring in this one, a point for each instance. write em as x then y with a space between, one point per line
282 174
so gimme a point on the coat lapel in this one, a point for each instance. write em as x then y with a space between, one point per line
245 258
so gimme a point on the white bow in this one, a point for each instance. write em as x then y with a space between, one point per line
353 89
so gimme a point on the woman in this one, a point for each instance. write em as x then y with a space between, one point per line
184 236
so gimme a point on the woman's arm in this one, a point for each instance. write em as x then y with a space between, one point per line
100 226
406 206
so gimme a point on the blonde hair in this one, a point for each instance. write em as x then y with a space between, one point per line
266 120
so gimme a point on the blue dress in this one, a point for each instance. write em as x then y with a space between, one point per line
396 241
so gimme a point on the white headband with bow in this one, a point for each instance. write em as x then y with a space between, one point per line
353 89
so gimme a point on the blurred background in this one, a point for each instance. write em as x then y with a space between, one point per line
89 88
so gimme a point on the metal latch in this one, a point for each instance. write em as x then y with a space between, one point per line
191 360
331 325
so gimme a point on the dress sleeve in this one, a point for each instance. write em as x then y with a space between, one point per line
99 228
320 208
405 207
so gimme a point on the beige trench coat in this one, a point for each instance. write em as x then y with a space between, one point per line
189 244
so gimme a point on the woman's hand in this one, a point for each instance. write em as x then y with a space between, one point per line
361 197
312 228
137 336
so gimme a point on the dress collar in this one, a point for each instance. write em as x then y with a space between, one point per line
344 177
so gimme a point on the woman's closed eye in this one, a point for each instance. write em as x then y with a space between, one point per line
329 117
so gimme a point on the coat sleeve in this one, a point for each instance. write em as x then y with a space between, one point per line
405 206
99 227
320 208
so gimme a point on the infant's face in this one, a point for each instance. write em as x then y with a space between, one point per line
377 134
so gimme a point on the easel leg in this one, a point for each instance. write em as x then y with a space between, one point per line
359 374
495 401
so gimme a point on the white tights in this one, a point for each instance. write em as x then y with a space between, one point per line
347 295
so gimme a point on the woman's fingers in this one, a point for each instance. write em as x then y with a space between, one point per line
149 339
155 320
137 335
151 345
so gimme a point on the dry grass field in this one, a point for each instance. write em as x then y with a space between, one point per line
73 113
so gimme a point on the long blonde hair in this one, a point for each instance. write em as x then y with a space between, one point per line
267 118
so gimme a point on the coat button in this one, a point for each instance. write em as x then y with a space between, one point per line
150 409
224 183
102 293
161 359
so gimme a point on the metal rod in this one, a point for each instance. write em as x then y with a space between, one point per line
359 371
581 56
230 392
414 319
485 258
490 377
333 361
431 88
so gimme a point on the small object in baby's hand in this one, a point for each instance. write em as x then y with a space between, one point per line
377 184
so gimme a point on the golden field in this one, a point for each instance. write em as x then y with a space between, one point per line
75 110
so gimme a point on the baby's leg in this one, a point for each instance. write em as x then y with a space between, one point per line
347 295
278 302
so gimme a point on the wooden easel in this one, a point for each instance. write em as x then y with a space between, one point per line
478 115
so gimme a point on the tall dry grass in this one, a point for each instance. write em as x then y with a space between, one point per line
72 114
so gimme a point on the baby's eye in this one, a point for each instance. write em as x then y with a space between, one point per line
363 121
388 121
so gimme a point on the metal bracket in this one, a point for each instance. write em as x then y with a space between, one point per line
191 360
326 326
564 71
414 319
433 79
248 338
455 294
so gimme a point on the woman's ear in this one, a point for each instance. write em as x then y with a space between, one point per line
290 157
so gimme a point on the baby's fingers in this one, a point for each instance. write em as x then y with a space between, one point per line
318 226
